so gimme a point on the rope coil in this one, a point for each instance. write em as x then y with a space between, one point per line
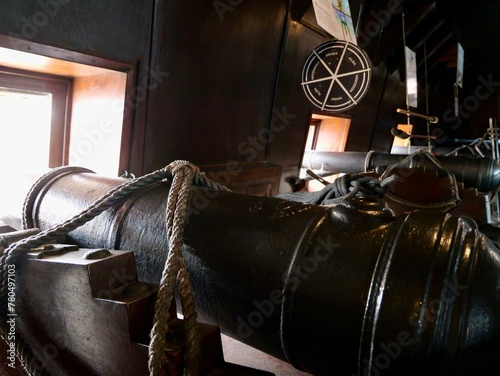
184 176
344 187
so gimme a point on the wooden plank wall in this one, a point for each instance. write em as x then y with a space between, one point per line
219 64
217 81
372 118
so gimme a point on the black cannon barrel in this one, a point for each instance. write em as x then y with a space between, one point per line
348 290
9 238
480 173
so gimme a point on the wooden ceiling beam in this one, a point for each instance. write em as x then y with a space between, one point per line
439 76
437 48
393 34
376 18
426 31
298 8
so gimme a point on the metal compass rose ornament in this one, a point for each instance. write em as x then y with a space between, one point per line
336 76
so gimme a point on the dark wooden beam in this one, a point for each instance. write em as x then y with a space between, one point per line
436 48
393 33
432 28
422 36
438 67
298 8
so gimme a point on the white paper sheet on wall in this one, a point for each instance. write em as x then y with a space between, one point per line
334 16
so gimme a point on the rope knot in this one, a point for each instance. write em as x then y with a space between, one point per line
182 165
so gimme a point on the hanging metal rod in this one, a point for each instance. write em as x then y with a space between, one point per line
431 119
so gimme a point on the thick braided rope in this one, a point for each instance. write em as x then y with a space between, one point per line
114 195
175 270
185 288
24 353
29 201
16 250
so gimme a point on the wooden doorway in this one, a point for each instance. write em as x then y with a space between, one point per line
326 133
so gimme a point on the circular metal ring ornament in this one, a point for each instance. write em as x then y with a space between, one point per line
336 76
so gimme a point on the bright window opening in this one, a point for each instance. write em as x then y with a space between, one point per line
89 125
25 124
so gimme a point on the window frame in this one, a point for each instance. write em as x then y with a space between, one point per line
61 89
134 117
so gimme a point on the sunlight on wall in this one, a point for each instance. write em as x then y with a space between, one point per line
25 122
96 122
